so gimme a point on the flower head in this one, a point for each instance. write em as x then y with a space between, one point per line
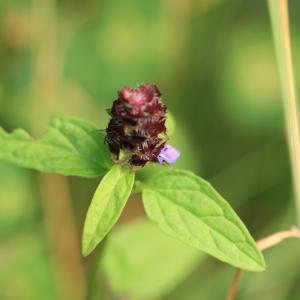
136 132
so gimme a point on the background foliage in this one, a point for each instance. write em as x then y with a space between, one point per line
215 64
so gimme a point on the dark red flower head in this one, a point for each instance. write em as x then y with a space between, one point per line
136 132
141 95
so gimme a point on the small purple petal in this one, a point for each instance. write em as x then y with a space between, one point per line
168 154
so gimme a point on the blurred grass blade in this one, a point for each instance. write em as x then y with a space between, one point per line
280 25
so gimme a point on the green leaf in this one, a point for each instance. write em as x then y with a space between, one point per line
106 206
70 146
141 261
188 208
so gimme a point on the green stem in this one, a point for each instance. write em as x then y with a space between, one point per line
280 25
92 280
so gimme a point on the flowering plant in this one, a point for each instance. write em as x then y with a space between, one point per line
182 204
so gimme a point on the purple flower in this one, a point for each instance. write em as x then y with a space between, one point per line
168 154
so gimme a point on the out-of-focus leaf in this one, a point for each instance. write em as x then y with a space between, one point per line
26 271
170 124
188 208
70 146
248 88
125 47
142 262
17 199
106 206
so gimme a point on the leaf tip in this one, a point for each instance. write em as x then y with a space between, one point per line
260 264
86 250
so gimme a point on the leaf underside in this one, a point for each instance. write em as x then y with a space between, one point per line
70 146
106 206
188 208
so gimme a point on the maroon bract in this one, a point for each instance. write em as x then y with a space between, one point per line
136 132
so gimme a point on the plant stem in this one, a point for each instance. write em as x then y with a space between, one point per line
276 238
263 244
92 279
234 285
58 215
281 33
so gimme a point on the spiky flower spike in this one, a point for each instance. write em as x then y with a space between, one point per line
136 132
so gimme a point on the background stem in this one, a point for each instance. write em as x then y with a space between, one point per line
263 244
58 216
234 285
92 279
280 25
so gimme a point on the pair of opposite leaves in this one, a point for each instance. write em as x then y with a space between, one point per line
181 203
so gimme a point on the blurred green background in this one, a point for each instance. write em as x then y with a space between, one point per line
214 62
